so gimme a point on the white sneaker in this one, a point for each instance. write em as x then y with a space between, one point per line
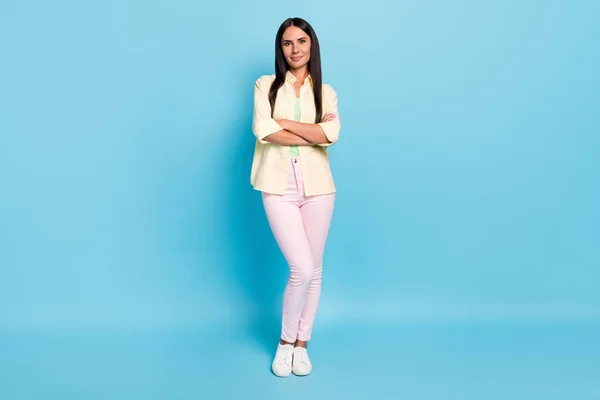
301 363
282 364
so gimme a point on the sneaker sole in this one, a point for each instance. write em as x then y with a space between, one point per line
301 374
281 376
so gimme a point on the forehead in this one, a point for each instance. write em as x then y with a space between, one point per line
294 33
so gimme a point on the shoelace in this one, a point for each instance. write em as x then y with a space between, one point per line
284 357
301 356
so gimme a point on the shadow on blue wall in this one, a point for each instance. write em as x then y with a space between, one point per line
256 267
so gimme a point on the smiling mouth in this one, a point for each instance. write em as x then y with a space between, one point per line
296 58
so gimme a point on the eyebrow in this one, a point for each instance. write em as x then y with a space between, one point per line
300 38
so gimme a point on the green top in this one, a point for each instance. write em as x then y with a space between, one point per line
294 149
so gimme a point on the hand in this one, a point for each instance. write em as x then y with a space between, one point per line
328 117
282 123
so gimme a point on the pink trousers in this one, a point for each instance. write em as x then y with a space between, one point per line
300 225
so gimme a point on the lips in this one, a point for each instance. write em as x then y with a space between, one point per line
296 58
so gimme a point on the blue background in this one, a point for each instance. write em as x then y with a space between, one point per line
135 257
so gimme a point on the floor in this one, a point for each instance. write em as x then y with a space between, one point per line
467 360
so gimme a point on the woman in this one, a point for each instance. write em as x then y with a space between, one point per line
295 120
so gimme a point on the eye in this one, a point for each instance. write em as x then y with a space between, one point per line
286 44
302 41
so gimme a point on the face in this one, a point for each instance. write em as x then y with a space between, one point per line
296 47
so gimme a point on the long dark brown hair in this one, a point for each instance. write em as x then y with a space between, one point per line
314 64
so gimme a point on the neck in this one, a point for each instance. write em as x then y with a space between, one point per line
300 73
